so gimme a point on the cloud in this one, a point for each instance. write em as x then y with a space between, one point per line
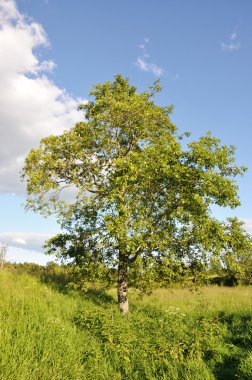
8 11
144 64
46 66
233 36
31 105
20 255
19 241
247 225
26 240
149 67
232 44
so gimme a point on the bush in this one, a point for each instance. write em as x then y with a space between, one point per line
151 344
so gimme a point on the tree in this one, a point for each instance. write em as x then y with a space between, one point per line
236 252
3 253
138 194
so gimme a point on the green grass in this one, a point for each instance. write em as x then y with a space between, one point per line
208 299
49 332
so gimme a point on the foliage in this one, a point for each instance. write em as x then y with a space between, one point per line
139 194
237 252
50 273
93 276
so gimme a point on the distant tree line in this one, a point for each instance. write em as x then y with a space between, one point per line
145 278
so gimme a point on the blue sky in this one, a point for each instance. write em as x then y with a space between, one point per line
52 51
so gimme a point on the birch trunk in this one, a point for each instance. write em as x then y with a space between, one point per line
122 285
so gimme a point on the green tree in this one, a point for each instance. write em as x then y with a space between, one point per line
138 194
236 252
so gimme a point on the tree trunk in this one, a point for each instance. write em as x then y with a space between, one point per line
122 284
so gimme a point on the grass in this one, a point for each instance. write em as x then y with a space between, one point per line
51 332
210 299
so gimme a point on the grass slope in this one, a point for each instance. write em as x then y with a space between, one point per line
48 332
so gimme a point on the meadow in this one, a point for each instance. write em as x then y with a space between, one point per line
48 331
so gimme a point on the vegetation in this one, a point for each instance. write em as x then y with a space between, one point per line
142 200
3 253
140 216
48 331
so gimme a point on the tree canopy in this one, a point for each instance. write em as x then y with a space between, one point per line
139 191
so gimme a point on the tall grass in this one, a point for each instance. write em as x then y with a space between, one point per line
205 299
37 337
51 332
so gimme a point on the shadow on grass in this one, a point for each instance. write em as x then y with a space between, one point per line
60 283
240 328
228 369
99 297
239 337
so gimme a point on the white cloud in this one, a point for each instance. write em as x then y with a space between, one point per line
46 66
19 241
232 44
21 255
233 36
149 67
248 225
31 105
144 64
26 240
8 11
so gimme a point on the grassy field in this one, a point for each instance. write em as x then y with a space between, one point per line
50 332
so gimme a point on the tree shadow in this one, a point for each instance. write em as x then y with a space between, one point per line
240 327
99 297
228 369
60 278
61 284
239 338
